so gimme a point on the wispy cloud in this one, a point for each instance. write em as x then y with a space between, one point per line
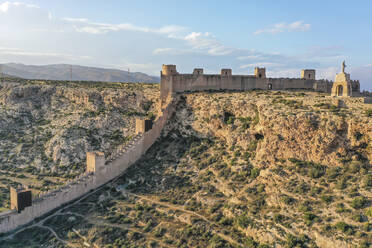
207 42
285 27
197 41
84 25
171 51
21 52
4 7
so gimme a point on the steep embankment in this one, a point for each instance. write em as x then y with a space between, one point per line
47 128
253 169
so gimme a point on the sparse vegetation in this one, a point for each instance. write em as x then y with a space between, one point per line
229 165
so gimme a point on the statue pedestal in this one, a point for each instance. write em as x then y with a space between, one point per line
342 85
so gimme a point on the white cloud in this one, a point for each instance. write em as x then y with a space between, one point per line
4 7
50 16
206 42
171 51
249 57
20 52
198 41
283 26
69 19
86 26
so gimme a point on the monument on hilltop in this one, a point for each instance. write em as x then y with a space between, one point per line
342 85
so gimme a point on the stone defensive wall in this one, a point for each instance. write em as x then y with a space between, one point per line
173 82
99 172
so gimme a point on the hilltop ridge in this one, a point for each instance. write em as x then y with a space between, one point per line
79 73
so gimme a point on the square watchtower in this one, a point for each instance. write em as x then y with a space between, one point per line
198 71
95 161
226 72
260 72
308 74
143 125
20 198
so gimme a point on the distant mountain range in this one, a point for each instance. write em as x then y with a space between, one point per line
79 73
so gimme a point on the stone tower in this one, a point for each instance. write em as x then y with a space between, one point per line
20 198
95 161
168 70
260 72
198 71
342 85
226 72
143 125
308 74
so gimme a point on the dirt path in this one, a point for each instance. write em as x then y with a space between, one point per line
182 209
126 227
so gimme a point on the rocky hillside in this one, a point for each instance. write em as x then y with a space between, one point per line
46 128
79 73
254 169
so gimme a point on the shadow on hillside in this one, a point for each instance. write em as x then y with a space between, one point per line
156 170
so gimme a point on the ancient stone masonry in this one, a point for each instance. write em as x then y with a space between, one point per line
173 82
20 198
99 171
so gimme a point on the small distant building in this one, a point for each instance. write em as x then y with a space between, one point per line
20 198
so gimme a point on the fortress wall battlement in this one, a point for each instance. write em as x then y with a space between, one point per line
177 83
190 82
89 181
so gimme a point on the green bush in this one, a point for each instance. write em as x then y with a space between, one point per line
343 227
309 218
159 232
369 212
293 241
357 218
368 113
327 198
278 218
368 181
244 221
287 199
359 202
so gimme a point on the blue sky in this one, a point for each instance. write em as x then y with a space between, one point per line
283 36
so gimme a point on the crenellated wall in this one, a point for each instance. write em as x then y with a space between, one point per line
113 167
194 82
178 83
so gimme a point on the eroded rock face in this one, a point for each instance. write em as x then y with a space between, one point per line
280 131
